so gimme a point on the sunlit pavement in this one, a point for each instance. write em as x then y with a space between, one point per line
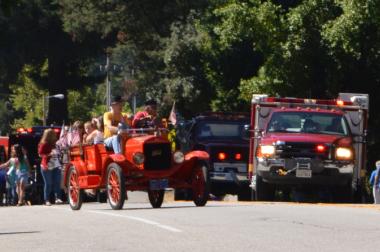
180 226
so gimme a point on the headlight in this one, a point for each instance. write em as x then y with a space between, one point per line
343 153
138 158
267 150
178 157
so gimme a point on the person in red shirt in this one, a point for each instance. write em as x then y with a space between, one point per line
50 166
147 117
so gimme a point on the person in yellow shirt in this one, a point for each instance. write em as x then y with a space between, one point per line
111 120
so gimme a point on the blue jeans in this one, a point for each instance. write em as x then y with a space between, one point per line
113 142
52 183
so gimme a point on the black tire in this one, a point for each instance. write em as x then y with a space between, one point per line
344 194
116 191
245 194
264 191
200 185
156 197
74 193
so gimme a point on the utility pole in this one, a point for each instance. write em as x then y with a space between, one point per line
44 110
108 80
134 93
107 69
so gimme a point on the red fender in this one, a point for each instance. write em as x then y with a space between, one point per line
197 154
118 158
80 166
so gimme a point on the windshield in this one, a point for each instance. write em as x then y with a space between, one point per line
308 122
220 130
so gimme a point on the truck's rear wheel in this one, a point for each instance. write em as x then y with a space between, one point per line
75 194
156 197
264 191
200 185
115 186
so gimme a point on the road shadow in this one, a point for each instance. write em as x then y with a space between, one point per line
167 207
21 232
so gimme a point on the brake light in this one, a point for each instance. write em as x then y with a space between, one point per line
57 130
321 148
238 156
30 130
222 156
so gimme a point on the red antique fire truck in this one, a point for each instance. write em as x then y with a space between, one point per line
147 164
299 143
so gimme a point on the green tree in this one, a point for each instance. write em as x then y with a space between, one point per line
38 30
27 98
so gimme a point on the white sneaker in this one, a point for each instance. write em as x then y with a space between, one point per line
47 203
58 201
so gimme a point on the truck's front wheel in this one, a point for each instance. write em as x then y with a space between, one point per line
200 185
245 194
344 194
75 194
264 191
115 186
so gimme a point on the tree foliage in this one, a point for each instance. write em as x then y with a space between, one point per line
203 54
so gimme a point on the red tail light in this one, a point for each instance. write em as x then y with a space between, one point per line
321 148
57 130
222 156
30 130
20 130
238 156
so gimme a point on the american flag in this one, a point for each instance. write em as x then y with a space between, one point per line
173 117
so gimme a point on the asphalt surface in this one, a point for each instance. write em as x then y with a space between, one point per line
180 226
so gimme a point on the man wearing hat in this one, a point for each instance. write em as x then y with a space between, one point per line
111 121
147 116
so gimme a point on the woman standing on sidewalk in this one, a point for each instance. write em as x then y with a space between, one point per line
50 173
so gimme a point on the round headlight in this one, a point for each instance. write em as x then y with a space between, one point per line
138 158
178 157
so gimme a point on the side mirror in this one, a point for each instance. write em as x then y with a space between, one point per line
247 131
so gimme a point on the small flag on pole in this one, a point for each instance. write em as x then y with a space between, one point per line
173 116
63 132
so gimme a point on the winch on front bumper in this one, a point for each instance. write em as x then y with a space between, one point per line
305 171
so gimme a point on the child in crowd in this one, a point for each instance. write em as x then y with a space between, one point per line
93 135
17 175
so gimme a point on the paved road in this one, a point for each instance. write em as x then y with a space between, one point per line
180 226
